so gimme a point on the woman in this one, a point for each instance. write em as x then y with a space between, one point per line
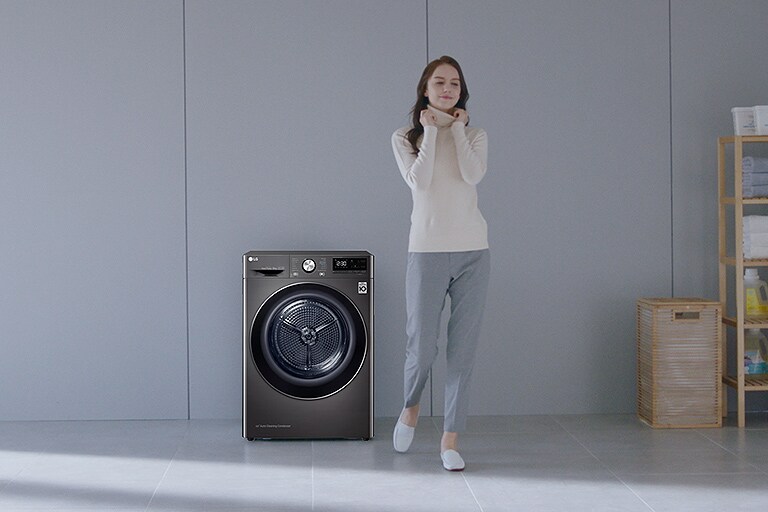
442 159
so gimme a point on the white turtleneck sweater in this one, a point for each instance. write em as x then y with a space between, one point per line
442 177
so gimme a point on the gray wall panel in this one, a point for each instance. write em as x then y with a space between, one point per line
291 106
718 62
92 271
575 99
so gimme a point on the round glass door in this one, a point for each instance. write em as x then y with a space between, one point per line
308 340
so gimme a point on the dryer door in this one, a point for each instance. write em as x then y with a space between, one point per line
308 341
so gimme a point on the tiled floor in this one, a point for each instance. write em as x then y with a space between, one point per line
514 463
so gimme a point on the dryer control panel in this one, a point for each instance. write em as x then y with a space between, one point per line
304 265
307 265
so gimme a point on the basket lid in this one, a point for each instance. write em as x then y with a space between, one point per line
677 301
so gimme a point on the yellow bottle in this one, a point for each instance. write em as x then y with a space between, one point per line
755 294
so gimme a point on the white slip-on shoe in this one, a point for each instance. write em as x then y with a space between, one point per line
452 461
402 437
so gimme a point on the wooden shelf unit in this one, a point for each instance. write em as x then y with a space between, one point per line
741 382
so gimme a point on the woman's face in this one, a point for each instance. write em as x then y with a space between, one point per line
443 88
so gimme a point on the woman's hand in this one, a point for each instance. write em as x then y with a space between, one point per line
460 114
427 118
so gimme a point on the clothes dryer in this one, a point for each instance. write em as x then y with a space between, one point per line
307 345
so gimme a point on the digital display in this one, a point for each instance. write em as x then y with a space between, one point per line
351 264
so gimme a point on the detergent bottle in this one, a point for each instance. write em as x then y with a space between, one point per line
755 294
755 352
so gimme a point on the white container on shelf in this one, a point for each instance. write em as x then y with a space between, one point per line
761 119
743 120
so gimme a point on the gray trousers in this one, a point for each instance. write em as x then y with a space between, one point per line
430 277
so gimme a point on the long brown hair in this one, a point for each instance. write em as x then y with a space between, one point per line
422 101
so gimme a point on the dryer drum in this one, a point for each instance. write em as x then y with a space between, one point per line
308 341
308 338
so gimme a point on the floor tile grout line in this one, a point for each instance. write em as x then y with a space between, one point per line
474 497
625 484
38 454
717 473
466 482
168 467
557 422
702 434
312 472
5 484
160 481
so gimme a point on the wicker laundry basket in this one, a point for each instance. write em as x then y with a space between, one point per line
678 362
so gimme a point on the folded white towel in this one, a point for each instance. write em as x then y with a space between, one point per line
754 179
755 246
755 251
754 191
754 164
760 253
755 224
756 239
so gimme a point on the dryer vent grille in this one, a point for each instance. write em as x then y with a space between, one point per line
308 338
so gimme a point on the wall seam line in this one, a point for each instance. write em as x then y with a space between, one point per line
671 161
426 31
186 196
